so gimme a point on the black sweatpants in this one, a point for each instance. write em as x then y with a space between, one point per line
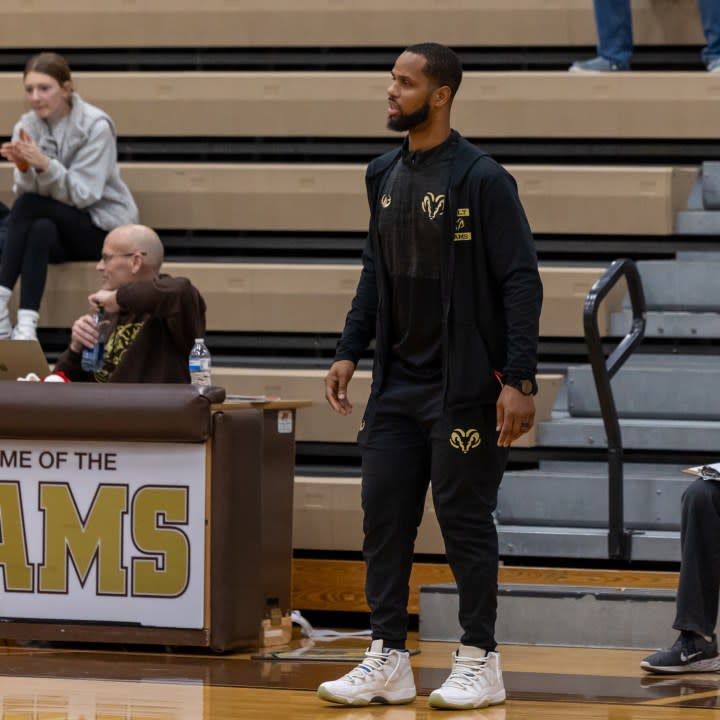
699 584
408 442
41 230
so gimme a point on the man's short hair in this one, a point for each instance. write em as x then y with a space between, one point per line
443 66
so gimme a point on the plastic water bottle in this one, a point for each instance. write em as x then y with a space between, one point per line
199 363
92 358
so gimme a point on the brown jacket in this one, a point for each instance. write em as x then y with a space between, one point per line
150 338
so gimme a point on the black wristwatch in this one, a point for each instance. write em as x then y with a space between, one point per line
526 387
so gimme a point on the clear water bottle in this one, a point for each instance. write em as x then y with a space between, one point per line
199 363
92 358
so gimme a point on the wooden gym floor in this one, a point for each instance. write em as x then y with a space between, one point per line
543 683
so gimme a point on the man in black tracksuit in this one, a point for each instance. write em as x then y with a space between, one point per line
450 292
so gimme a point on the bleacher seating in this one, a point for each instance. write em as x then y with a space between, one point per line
305 298
341 23
300 89
350 104
322 197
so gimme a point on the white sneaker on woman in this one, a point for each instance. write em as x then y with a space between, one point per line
26 328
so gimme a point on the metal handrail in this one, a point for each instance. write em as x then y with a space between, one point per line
619 539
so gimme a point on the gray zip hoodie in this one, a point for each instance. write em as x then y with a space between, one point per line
83 172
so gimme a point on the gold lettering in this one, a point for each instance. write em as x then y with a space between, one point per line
97 539
463 212
155 509
35 707
463 236
13 544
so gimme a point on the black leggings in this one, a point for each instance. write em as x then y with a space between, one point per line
42 230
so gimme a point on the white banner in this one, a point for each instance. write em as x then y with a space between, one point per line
103 531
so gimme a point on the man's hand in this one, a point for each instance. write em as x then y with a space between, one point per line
84 333
515 415
106 298
336 382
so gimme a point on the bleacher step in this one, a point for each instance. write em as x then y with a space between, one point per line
576 495
559 615
682 297
673 324
637 433
687 284
697 222
578 543
647 386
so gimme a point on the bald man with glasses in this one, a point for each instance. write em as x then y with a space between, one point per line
152 318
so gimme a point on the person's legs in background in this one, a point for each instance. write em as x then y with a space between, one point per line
41 236
699 584
40 230
710 16
695 650
22 216
613 21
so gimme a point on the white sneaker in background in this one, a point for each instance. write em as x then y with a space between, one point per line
475 681
596 65
26 328
384 676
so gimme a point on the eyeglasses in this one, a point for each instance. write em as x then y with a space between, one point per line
107 257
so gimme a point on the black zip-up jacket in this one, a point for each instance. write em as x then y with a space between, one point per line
491 289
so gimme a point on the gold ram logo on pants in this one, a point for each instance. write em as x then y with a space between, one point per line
465 440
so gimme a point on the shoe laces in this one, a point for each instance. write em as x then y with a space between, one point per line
372 663
467 671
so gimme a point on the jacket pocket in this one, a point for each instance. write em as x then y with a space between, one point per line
471 377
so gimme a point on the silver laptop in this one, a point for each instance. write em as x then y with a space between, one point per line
20 357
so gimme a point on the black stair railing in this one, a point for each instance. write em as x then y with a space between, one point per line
619 538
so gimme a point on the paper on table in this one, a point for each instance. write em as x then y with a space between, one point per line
248 398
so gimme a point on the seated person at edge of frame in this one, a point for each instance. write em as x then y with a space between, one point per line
695 649
152 318
69 193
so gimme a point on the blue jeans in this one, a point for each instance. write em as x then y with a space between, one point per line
615 36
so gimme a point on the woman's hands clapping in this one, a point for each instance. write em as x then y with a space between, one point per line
25 153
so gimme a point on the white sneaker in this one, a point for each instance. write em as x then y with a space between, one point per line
382 677
475 681
26 328
23 333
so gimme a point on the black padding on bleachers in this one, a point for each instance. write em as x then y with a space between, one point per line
328 58
353 150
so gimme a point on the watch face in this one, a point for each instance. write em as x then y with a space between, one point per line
526 387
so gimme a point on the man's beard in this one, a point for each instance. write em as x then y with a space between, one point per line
400 123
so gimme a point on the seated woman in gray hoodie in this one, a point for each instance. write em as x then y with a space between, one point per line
68 189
